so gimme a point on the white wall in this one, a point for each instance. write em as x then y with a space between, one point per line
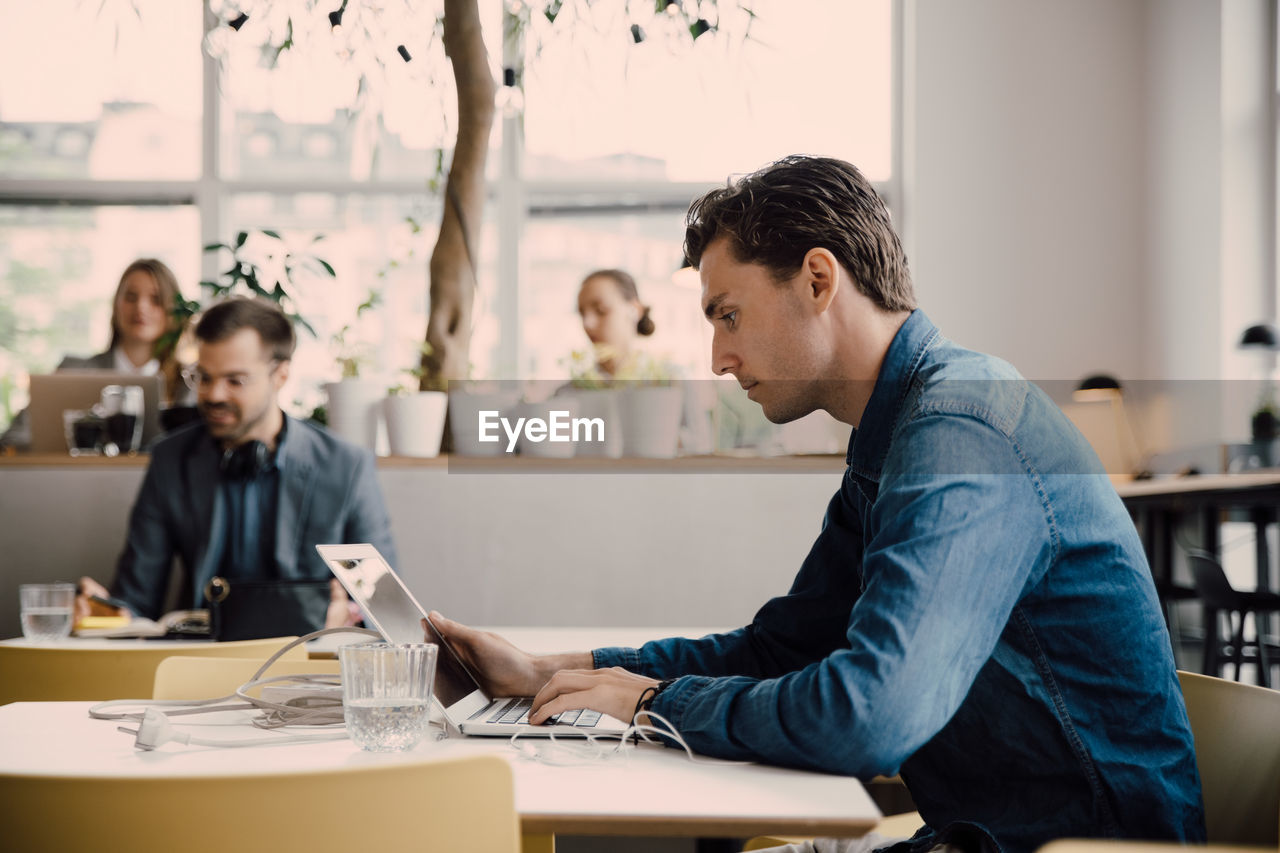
1091 190
1027 212
1211 207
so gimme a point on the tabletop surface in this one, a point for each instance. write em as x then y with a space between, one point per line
649 790
646 790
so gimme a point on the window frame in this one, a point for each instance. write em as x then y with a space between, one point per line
515 199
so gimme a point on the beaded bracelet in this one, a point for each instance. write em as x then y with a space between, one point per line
645 702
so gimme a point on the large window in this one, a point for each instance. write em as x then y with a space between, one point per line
120 137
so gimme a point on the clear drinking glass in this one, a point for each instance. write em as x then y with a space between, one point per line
121 410
386 693
46 610
83 431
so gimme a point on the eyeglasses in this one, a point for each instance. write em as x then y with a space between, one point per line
197 380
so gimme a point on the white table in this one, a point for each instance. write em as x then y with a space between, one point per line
652 791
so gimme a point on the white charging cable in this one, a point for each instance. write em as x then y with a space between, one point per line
560 752
317 708
155 730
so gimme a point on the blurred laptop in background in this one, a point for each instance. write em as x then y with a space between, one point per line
54 393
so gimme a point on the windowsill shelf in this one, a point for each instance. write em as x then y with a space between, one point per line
715 464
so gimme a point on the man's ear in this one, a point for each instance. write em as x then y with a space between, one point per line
281 375
823 277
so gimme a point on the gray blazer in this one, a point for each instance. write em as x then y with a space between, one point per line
328 494
101 361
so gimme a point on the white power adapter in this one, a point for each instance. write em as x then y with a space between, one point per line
155 730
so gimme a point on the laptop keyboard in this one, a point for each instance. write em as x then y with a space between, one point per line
515 712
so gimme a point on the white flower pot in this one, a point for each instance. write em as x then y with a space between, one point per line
354 411
546 448
650 418
464 419
415 423
603 404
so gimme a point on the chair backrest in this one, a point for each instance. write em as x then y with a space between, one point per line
455 804
1211 582
1237 736
183 677
116 669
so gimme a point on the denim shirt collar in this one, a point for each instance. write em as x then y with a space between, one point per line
869 443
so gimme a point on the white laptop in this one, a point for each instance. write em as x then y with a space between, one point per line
393 611
52 393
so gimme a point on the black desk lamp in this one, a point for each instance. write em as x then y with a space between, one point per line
1100 387
1264 338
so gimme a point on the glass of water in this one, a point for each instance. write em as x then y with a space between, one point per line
386 693
46 610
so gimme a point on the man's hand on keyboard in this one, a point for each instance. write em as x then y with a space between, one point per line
614 691
503 669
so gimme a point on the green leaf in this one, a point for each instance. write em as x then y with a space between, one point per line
304 324
699 27
241 238
327 268
271 234
213 247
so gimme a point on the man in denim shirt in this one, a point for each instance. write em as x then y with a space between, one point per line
977 612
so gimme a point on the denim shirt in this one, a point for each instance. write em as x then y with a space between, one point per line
977 613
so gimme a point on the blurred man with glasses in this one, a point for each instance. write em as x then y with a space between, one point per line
247 492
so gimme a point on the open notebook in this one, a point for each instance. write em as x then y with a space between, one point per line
175 623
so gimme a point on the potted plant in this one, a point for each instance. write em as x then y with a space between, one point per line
467 399
262 266
1264 423
649 407
415 418
596 397
353 410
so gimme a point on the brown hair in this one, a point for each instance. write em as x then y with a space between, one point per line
627 285
224 319
774 216
168 342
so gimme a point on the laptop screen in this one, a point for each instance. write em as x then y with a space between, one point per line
388 605
54 393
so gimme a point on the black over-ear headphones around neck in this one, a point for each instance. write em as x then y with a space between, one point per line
246 461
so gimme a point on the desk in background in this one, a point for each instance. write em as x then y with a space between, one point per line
1160 505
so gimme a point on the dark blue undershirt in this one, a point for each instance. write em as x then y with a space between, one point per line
249 547
251 503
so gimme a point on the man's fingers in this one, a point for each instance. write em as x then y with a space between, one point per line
566 682
570 700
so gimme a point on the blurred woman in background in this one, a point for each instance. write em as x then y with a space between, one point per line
144 338
613 318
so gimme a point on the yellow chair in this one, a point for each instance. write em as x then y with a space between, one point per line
1236 728
125 669
1237 734
1089 846
457 804
182 677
